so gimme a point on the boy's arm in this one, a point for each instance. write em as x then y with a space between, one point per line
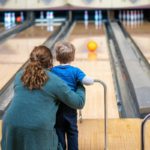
83 78
87 80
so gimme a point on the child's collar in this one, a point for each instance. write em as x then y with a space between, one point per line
64 64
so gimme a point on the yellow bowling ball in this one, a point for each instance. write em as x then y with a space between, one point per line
92 45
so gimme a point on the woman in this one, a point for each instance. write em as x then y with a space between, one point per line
29 122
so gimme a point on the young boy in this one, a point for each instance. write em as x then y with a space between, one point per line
66 123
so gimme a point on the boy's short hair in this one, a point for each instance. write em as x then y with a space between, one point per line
65 52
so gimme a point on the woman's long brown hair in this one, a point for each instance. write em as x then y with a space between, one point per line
34 76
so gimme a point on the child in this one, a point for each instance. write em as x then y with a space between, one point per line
66 123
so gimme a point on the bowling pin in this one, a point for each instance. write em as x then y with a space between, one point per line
100 18
131 19
128 17
100 15
13 19
86 18
96 19
138 18
132 16
135 18
142 16
5 20
96 15
50 17
124 17
22 16
42 19
41 15
8 20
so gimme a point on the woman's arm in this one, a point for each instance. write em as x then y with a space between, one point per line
73 99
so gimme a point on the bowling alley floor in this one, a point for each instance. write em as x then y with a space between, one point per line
123 134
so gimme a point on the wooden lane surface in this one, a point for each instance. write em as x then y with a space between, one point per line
15 51
2 28
123 134
141 36
96 65
7 70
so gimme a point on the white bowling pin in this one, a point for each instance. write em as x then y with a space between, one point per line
5 20
135 18
9 20
51 15
132 18
48 17
124 16
86 17
128 17
22 16
138 18
96 19
142 16
100 15
13 19
41 15
96 16
100 19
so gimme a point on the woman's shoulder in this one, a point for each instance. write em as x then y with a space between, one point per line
18 75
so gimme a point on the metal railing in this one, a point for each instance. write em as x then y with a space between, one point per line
143 131
80 116
105 113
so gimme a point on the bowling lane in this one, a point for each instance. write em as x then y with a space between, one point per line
2 28
141 36
97 65
15 51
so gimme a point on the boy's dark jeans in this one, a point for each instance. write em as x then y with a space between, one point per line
66 125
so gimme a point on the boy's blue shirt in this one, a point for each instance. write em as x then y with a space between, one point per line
70 74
